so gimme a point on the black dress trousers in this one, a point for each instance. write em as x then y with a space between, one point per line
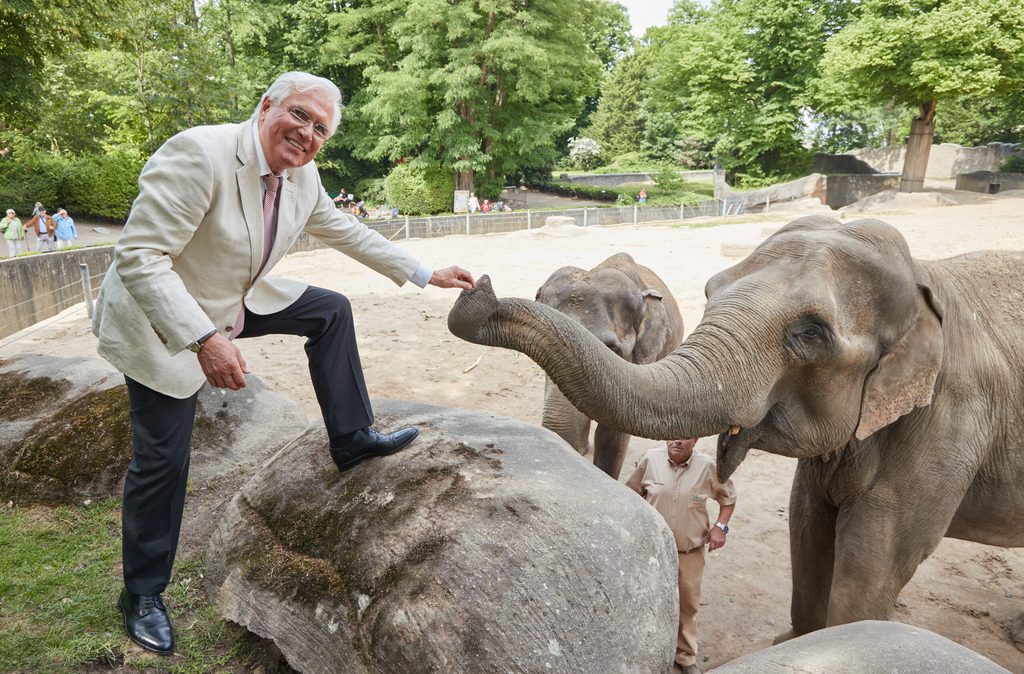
154 489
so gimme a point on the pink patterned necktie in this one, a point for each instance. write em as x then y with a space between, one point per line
269 216
272 183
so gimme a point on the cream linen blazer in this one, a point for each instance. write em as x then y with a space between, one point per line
192 245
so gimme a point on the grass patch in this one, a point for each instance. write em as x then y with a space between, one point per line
60 575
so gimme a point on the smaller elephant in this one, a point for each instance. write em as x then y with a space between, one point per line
631 310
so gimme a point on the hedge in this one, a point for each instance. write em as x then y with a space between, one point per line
101 186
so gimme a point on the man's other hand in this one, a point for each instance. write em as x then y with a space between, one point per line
453 277
222 363
716 539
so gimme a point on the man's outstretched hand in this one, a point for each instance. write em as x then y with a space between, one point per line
453 277
222 363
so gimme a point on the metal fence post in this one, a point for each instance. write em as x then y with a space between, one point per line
635 208
682 211
584 217
430 225
529 219
86 287
407 226
467 223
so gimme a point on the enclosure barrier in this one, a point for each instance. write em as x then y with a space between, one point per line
36 287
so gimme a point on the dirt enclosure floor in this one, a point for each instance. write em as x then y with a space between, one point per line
967 592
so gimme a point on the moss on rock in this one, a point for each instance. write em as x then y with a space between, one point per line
22 397
83 447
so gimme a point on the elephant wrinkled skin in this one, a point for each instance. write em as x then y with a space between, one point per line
632 311
898 384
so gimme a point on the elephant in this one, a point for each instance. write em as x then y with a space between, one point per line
897 384
632 311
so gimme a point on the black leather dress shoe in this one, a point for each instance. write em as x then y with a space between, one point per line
146 621
368 442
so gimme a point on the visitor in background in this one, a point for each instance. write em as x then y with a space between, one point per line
473 205
66 232
14 233
486 207
43 226
642 196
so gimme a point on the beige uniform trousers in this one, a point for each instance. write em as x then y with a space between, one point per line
691 571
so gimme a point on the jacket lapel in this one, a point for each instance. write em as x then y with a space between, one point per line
250 195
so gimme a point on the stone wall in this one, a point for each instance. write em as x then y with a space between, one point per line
946 161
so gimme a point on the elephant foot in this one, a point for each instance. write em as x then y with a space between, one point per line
1017 632
785 636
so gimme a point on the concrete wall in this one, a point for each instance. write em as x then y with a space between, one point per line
843 190
813 185
36 287
990 182
615 179
946 161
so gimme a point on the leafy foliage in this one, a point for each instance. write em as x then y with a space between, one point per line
1013 164
584 153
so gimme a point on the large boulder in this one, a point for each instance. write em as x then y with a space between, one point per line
865 647
485 546
65 435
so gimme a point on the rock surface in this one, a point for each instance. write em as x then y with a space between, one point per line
65 435
487 545
865 647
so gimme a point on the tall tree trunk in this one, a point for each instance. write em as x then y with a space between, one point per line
231 51
919 147
464 180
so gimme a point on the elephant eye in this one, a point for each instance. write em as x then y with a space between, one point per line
811 332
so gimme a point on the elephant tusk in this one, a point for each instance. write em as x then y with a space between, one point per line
734 430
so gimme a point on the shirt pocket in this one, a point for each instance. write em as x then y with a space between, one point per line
698 500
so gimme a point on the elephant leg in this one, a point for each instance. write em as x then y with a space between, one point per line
568 422
610 449
880 541
812 533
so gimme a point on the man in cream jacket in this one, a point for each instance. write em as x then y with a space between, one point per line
218 206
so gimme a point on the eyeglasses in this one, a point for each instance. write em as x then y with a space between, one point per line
303 116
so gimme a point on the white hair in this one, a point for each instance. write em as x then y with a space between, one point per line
289 83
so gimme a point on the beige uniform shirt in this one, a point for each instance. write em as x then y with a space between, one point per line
680 493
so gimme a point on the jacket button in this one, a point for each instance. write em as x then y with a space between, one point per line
229 328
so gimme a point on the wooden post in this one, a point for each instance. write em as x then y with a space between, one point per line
86 287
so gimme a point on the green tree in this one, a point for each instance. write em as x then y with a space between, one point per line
482 89
35 29
618 122
736 74
920 52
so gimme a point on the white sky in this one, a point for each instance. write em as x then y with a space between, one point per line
646 13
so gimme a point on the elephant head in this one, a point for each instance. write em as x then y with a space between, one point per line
825 333
633 313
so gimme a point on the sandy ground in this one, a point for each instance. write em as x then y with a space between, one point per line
966 592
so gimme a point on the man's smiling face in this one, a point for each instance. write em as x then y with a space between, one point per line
287 142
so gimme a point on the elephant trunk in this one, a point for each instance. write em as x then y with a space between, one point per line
676 397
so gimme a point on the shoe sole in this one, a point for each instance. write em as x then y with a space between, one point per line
352 463
146 647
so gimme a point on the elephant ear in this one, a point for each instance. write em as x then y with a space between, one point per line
905 375
652 330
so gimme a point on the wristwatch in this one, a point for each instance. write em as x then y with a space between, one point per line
197 346
723 527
